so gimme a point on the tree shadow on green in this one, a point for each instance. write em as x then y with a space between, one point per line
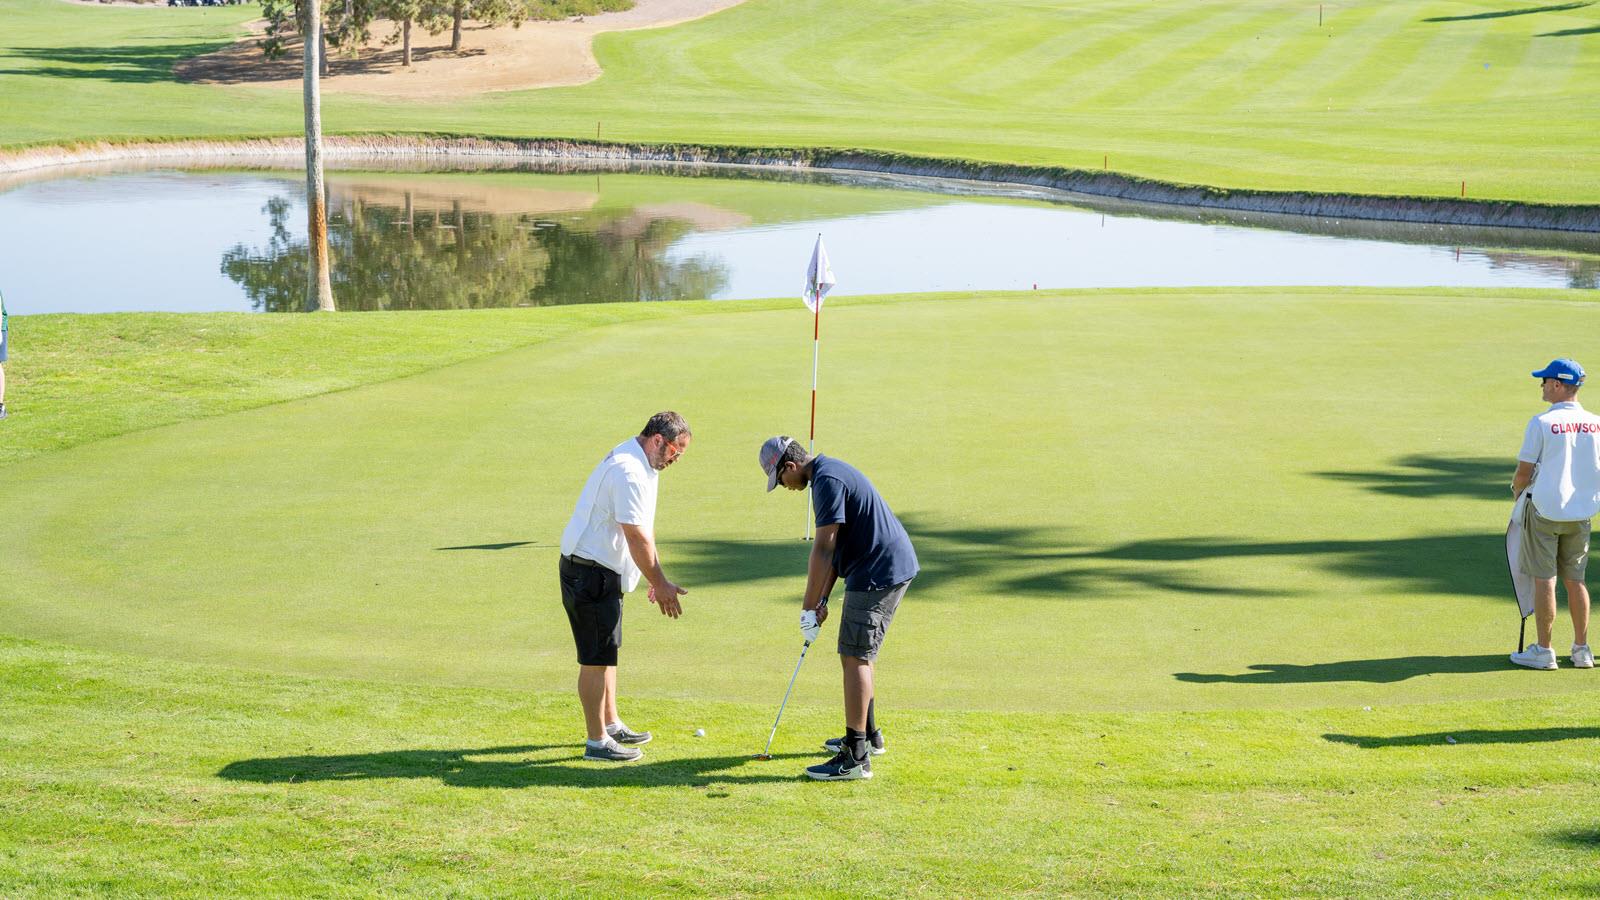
139 64
1467 736
529 765
718 562
1370 671
1422 476
1507 13
1582 838
504 545
1044 562
1571 32
1452 564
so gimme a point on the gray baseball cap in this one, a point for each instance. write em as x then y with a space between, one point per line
771 452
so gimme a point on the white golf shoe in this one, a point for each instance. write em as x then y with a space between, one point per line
1536 657
1582 657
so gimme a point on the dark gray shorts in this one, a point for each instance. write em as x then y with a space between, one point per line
866 617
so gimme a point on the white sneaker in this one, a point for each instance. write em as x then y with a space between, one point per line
1582 657
1537 657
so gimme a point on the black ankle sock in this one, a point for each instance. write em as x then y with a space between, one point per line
872 720
856 742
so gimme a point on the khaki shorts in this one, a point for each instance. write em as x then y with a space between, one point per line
1550 547
866 619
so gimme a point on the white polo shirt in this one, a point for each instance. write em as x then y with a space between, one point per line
620 491
1564 442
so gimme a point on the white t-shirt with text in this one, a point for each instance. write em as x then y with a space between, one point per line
620 491
1564 442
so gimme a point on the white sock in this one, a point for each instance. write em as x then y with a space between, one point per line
615 727
600 744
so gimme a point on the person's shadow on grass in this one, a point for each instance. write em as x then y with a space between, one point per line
1374 671
515 766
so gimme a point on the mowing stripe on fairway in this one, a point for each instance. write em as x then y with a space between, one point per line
1234 93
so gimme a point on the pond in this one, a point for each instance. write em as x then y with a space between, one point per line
535 235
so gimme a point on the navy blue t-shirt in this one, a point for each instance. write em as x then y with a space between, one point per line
874 552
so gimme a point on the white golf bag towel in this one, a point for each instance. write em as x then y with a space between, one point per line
1521 582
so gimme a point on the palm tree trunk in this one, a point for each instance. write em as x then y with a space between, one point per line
319 287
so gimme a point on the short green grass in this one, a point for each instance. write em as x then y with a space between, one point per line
1212 602
1408 98
132 778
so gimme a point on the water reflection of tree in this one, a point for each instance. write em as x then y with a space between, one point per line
1580 272
401 257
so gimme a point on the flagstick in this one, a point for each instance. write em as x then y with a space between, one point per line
816 344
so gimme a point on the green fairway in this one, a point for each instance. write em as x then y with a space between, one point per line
127 778
1213 602
1224 499
1385 97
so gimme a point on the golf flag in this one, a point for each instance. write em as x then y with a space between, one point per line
819 277
819 280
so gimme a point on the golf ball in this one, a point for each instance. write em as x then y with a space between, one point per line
699 732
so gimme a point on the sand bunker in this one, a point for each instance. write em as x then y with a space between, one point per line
539 54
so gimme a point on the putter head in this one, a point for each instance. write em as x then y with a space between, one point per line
763 756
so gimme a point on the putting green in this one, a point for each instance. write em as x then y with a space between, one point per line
1382 97
1122 500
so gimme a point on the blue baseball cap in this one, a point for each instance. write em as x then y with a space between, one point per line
1565 370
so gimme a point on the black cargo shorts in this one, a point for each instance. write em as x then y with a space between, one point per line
866 618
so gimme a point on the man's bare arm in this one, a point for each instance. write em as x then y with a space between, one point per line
1521 480
820 573
642 547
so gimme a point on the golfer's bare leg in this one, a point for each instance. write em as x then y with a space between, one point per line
857 691
592 694
2 384
1578 604
610 707
1544 608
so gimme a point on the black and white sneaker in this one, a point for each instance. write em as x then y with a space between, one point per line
874 742
610 751
2 411
622 735
842 767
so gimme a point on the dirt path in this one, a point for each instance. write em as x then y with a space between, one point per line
539 54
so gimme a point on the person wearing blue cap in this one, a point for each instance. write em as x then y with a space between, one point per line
1559 463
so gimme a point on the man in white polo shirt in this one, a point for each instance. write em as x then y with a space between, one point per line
1560 458
608 544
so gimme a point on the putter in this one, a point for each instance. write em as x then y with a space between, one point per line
767 753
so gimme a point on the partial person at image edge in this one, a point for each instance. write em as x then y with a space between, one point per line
5 333
607 545
1559 467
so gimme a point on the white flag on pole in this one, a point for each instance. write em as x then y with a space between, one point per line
819 277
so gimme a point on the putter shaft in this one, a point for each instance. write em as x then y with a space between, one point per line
768 752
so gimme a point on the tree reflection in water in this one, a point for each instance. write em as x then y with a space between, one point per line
441 256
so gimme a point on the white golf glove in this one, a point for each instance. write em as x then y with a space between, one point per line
809 626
